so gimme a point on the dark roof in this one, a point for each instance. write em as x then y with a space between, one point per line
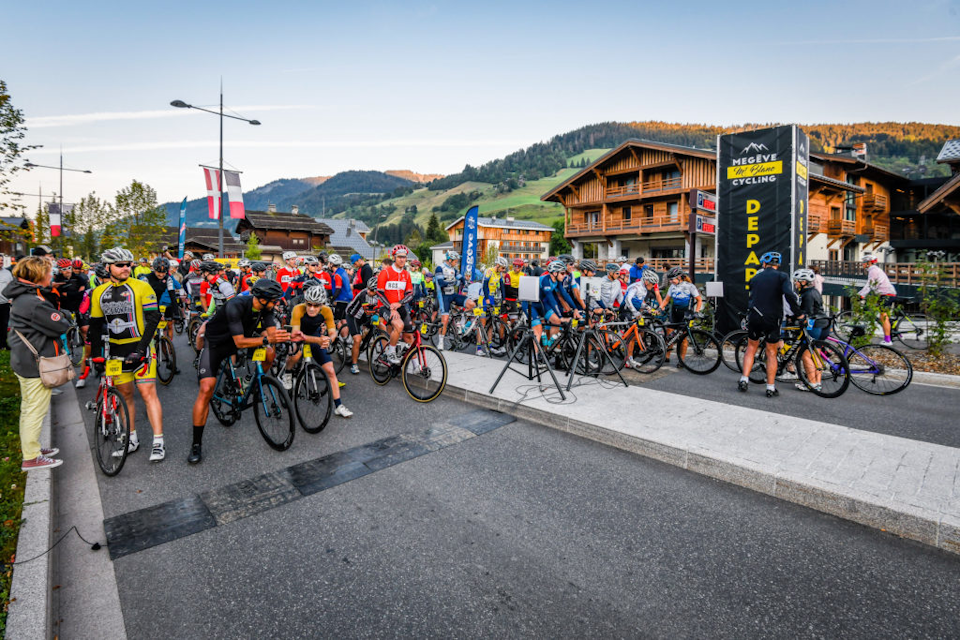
15 221
505 223
840 184
950 151
203 236
949 187
285 221
861 165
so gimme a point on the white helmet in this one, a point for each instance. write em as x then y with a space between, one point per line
117 254
335 260
174 263
315 295
289 255
243 263
208 256
804 275
452 255
502 262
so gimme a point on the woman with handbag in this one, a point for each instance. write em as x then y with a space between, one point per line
37 355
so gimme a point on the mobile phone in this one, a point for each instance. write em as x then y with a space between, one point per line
288 328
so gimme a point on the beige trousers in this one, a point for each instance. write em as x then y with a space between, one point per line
34 405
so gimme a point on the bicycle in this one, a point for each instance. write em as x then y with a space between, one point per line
826 357
647 346
422 368
700 344
912 331
165 353
74 341
265 394
312 399
877 369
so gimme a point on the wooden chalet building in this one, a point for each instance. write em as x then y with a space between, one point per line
201 240
511 238
280 231
15 234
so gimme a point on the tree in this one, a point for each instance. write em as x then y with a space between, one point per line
414 239
558 244
12 132
41 226
435 233
253 251
88 216
490 255
140 218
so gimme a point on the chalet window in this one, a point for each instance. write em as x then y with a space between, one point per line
592 217
850 211
627 214
672 210
648 211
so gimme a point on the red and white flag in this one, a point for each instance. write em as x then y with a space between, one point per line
234 194
213 192
55 220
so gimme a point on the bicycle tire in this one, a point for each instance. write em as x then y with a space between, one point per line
596 346
221 403
192 330
339 353
703 343
728 348
758 373
178 325
75 342
379 370
843 325
312 391
913 331
272 401
652 354
117 431
416 369
834 369
166 361
874 365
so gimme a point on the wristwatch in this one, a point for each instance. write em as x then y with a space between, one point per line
266 340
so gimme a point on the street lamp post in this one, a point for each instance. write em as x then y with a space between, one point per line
180 104
31 165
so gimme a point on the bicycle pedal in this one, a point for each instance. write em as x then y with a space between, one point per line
90 406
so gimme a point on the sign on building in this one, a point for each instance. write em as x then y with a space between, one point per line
761 206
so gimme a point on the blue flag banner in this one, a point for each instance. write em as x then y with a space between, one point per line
468 257
183 228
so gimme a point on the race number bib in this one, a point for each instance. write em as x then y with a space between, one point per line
477 311
307 352
162 324
260 355
114 367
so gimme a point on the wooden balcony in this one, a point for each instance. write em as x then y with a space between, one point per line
873 202
623 226
841 227
878 231
518 247
636 225
584 228
661 265
898 272
655 186
657 224
624 191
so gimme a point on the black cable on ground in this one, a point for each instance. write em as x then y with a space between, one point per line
94 546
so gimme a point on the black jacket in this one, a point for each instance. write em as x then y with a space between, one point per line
41 324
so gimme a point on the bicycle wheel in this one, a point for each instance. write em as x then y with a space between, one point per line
272 411
178 325
913 331
499 337
649 352
757 373
424 373
379 367
879 370
844 324
192 329
339 353
728 348
703 352
312 399
833 368
111 431
596 346
75 343
166 361
222 402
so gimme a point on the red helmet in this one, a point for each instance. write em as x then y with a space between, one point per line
64 263
77 263
195 265
416 264
518 262
399 249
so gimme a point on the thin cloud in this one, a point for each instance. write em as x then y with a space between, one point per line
874 41
69 120
944 66
290 144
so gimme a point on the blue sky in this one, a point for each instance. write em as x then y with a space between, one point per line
431 86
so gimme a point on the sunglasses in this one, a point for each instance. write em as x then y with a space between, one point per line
122 265
313 305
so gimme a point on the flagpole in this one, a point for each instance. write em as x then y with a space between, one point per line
220 174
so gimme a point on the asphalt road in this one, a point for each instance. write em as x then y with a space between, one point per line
523 531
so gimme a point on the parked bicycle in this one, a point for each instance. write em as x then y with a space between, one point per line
422 368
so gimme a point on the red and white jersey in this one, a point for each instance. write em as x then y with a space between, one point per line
395 283
285 276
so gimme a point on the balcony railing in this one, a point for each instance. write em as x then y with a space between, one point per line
661 265
814 223
515 247
638 224
632 224
581 228
661 223
624 190
874 202
879 231
898 272
841 227
662 185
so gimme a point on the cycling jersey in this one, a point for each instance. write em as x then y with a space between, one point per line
511 284
344 291
129 311
236 317
636 297
165 288
611 294
364 303
297 285
768 289
683 294
285 276
312 325
569 283
394 285
363 274
191 283
71 291
877 282
416 277
447 280
491 285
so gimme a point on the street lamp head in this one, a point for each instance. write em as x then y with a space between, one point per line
180 104
257 122
29 165
87 171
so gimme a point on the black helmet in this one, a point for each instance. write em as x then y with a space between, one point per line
259 267
675 272
161 264
209 266
266 289
101 270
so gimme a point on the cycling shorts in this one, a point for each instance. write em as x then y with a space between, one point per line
536 310
677 314
319 354
887 301
140 375
759 327
356 325
339 310
211 358
448 301
405 318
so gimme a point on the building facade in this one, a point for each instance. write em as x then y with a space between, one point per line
511 238
280 231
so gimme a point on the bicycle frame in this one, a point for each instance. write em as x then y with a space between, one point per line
245 401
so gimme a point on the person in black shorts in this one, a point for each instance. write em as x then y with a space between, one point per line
360 313
242 322
768 290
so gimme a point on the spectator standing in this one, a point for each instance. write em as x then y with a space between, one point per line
636 271
817 280
6 277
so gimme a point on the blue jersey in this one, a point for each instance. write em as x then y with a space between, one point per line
551 292
568 284
345 294
447 279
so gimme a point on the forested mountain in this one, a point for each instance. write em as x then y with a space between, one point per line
894 145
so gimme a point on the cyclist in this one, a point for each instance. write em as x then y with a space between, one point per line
359 315
127 308
644 293
309 321
611 293
768 290
362 273
287 273
242 322
167 290
448 280
879 283
344 292
395 290
548 307
245 272
311 274
416 277
681 292
70 285
570 282
511 286
100 275
142 269
811 304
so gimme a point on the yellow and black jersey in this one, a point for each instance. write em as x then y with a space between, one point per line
123 307
511 284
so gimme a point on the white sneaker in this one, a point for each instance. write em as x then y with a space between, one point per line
631 363
81 383
354 369
788 376
132 446
287 380
802 387
440 345
392 358
158 453
343 412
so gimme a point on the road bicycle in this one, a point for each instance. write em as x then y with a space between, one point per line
911 330
74 341
702 354
233 394
422 368
878 369
165 353
646 346
312 399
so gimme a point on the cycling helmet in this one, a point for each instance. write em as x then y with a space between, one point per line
868 257
651 276
161 264
100 270
557 266
501 262
622 259
188 254
770 257
259 267
195 264
612 267
209 266
451 255
310 260
243 263
372 284
566 258
117 254
588 265
267 289
518 262
77 263
174 264
803 275
288 255
322 256
399 250
416 264
675 272
315 295
64 263
336 260
208 256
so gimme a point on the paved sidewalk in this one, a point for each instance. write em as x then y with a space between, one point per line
906 487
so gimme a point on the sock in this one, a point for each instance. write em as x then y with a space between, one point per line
197 434
771 387
336 402
158 438
133 437
744 379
